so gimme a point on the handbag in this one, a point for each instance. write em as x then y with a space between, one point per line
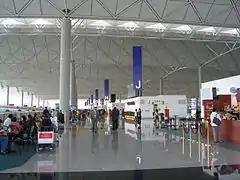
216 121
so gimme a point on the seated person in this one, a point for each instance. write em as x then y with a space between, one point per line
35 129
8 120
3 138
46 120
15 127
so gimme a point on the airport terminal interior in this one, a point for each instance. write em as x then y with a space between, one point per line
119 89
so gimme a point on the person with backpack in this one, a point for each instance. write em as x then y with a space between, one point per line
216 123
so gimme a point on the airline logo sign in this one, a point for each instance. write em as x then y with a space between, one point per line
137 68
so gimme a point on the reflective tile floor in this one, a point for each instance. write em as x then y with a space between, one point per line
132 155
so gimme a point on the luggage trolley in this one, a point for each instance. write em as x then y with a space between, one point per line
46 138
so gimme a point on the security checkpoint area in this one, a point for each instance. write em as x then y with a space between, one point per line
110 89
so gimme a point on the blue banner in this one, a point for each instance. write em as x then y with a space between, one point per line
91 99
137 69
106 89
96 95
88 101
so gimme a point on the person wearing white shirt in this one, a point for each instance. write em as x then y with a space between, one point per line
215 127
8 120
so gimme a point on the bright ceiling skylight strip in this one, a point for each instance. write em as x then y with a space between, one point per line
100 23
231 32
11 21
183 28
41 22
129 24
156 26
208 29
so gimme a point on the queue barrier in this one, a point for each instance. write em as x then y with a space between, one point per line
196 127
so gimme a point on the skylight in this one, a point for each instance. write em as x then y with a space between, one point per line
41 22
157 26
11 22
183 28
100 23
231 32
208 29
129 24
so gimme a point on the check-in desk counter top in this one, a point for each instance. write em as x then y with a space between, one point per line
230 131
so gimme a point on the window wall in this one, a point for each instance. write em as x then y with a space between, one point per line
27 99
3 96
15 96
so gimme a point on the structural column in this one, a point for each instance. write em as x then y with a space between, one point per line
31 99
8 95
65 59
199 86
22 98
38 101
161 86
73 85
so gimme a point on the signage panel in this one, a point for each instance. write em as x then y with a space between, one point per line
137 68
106 89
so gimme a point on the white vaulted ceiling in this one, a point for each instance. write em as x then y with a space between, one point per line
177 37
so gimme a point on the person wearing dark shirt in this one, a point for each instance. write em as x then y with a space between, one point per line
115 117
46 121
28 125
46 111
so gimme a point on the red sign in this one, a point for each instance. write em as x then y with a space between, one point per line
46 136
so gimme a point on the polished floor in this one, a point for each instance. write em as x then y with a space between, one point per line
81 151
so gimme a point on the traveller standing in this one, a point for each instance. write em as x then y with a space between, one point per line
94 118
115 118
215 123
136 117
139 118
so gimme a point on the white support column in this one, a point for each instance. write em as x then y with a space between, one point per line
31 99
22 98
65 58
38 101
161 86
8 95
199 85
73 85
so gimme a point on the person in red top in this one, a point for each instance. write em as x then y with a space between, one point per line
15 126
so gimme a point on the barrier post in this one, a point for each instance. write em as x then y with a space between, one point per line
199 142
183 140
208 145
190 143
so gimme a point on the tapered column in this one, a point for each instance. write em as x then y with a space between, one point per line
161 86
22 98
31 99
199 87
8 95
38 101
65 66
73 85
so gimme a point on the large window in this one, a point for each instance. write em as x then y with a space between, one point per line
15 96
3 96
27 99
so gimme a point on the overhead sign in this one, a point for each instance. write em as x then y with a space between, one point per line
137 68
96 95
91 99
106 89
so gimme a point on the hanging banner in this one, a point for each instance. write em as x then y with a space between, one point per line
88 101
96 95
106 89
137 68
91 99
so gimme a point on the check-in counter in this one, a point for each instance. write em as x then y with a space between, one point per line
230 131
